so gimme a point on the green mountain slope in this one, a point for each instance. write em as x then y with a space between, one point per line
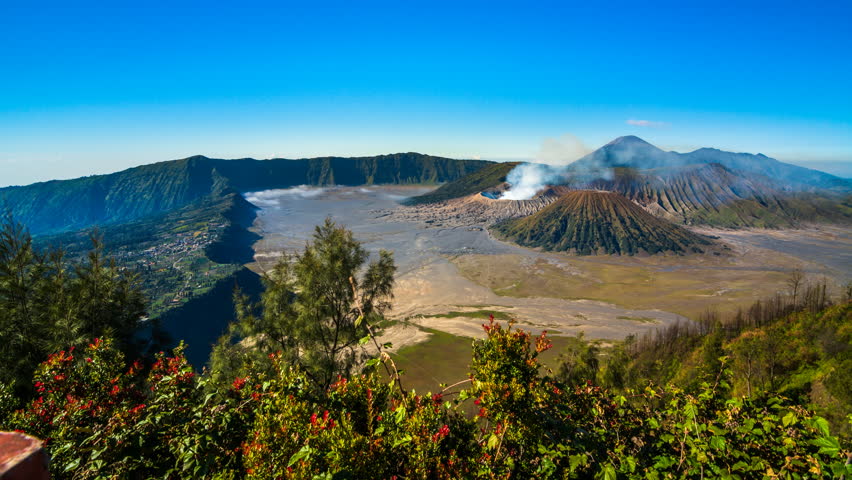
135 193
593 222
483 179
797 347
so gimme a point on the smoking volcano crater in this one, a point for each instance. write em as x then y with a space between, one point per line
481 209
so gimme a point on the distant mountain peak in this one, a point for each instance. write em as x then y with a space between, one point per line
629 140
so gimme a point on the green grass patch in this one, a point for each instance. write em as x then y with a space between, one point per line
443 358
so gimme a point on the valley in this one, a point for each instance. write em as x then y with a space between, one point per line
451 269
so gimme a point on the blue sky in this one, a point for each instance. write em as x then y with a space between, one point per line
98 87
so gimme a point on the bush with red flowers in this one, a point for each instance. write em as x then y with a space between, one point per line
101 418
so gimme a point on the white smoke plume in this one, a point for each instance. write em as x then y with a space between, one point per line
527 179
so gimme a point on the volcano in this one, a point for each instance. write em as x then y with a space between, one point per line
704 187
588 222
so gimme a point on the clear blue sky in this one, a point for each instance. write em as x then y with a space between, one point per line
92 88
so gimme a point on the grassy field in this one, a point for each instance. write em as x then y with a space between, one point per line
445 359
679 285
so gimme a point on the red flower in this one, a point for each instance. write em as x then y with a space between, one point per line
115 390
239 383
59 378
314 419
89 359
442 432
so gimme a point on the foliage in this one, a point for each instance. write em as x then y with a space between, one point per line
579 361
102 419
796 345
316 307
47 302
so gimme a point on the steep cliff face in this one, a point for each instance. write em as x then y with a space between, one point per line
594 222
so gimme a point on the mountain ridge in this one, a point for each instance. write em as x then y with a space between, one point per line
64 205
634 152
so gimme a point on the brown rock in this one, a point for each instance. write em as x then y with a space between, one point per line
22 458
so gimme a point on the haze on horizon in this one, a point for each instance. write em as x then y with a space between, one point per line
96 88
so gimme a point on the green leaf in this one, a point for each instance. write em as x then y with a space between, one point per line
718 443
400 415
631 463
305 452
828 445
359 320
373 362
788 419
575 461
493 440
822 426
691 411
364 340
72 465
401 441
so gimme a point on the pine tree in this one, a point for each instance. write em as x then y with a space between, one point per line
314 310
